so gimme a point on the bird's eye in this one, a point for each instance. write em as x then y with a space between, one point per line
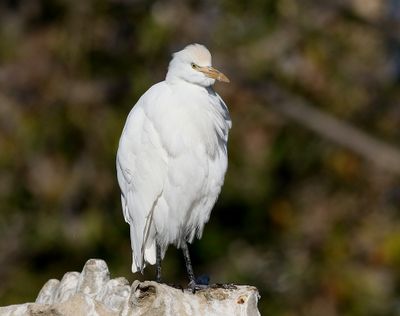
194 66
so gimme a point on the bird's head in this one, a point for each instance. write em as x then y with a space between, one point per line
193 64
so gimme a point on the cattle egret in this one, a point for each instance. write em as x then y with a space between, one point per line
172 159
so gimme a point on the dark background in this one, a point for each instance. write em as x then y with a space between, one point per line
308 214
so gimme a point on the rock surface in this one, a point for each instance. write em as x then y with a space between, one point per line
92 292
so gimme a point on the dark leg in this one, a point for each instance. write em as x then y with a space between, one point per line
193 284
189 268
158 263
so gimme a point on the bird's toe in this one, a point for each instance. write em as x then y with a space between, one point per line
194 287
224 286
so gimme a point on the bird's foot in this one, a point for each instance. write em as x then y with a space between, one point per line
201 283
223 286
194 287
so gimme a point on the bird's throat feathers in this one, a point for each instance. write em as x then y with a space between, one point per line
194 115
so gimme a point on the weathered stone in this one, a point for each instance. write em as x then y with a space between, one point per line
67 287
93 278
93 293
48 292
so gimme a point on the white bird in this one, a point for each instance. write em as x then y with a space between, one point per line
172 159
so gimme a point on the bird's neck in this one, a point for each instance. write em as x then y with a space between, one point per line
177 81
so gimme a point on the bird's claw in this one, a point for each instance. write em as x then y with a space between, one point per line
201 283
224 286
194 287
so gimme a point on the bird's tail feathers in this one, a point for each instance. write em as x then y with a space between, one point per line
143 241
149 256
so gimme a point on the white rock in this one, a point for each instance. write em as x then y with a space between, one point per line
48 292
67 287
93 278
93 293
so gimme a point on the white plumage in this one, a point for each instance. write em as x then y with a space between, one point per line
172 156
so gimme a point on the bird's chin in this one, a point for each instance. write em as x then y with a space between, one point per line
203 81
206 82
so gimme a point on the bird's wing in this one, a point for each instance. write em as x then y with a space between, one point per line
141 172
225 112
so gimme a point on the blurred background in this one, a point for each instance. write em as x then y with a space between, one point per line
310 210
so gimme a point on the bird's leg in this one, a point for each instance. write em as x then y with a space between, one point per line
193 285
158 263
188 263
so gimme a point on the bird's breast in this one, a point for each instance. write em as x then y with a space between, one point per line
191 123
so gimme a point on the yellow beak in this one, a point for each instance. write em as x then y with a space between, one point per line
213 73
